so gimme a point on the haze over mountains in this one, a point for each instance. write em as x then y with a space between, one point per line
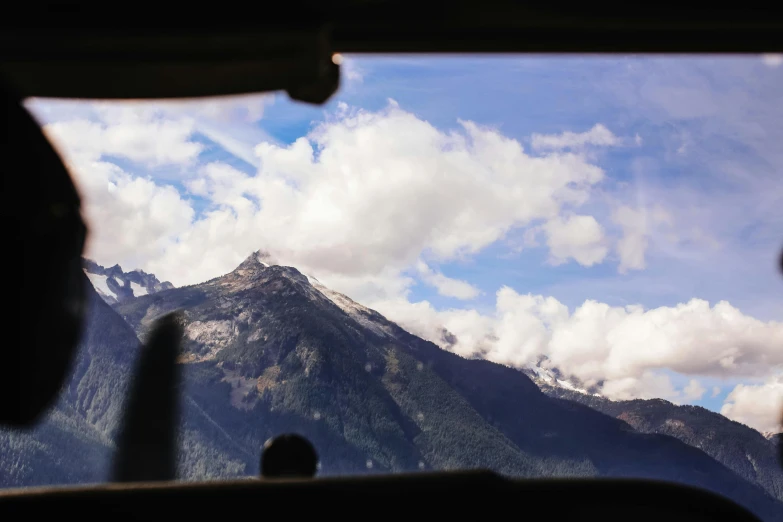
269 350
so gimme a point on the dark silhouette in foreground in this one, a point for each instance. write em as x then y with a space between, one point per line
146 449
288 456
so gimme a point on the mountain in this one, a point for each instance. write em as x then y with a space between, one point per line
551 377
740 448
102 368
63 449
73 443
269 350
267 353
115 286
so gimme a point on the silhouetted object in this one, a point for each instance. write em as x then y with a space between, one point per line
778 439
453 494
288 456
780 262
146 448
44 234
296 59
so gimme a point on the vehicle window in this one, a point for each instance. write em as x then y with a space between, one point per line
543 266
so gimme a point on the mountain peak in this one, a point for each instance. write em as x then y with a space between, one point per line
256 260
115 285
552 377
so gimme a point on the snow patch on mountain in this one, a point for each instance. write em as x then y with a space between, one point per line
116 286
101 286
545 376
360 314
138 290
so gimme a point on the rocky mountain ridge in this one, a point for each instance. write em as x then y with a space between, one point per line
115 285
271 350
286 349
747 452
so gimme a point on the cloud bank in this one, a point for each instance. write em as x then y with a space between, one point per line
621 352
371 202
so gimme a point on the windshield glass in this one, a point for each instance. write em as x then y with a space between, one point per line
543 266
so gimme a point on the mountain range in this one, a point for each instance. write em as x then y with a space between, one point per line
270 350
115 285
747 452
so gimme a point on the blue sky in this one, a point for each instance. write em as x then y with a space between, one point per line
690 156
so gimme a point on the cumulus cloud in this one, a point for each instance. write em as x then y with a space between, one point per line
694 390
140 134
759 406
370 191
599 135
130 219
621 350
577 237
446 286
366 196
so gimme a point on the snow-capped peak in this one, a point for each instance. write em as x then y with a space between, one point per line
551 377
115 285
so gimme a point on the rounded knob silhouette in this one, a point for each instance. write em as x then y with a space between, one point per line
780 262
290 456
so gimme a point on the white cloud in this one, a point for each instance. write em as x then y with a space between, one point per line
351 71
474 331
130 219
758 406
637 226
366 194
229 121
446 286
370 191
624 350
156 132
694 391
647 385
239 141
632 246
385 286
599 135
772 60
139 135
715 391
577 237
